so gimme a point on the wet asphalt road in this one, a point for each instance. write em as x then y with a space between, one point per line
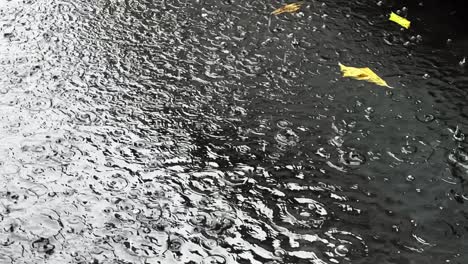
212 132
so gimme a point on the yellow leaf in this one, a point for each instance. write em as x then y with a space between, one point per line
362 74
400 20
289 8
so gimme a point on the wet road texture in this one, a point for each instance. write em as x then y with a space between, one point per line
208 131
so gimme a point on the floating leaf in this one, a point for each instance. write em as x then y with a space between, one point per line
289 8
362 74
400 20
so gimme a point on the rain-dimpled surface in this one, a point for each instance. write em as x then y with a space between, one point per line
206 131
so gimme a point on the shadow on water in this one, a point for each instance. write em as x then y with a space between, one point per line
213 132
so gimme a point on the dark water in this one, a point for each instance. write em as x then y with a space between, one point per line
209 132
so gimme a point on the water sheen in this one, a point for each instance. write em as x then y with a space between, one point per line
209 131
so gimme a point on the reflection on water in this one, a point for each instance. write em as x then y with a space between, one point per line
210 132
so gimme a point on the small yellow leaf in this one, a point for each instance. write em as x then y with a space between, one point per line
400 20
289 8
362 74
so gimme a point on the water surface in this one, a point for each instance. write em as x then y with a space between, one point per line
211 132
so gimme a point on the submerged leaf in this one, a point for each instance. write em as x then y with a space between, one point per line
400 20
362 74
289 8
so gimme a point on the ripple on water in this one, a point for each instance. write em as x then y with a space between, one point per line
86 118
116 183
7 168
214 259
153 95
458 159
37 103
286 138
9 100
43 245
425 117
347 244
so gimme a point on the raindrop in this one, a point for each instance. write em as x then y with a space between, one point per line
283 124
458 135
369 110
214 259
86 118
408 149
39 104
116 183
425 118
352 158
322 153
8 168
460 158
175 243
43 245
9 100
201 219
462 62
118 132
341 250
